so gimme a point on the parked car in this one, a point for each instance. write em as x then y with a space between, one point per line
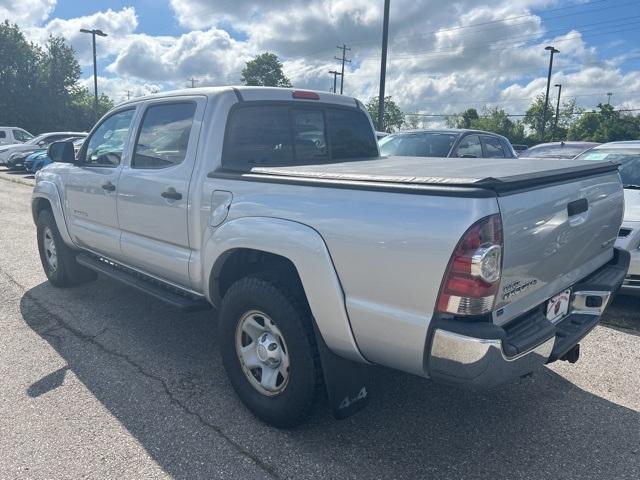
323 257
41 141
519 148
12 135
565 150
381 135
447 143
39 159
627 154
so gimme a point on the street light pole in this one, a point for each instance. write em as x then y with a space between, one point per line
555 123
546 98
93 33
383 65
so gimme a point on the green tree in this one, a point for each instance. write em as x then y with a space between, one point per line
463 120
393 116
493 119
567 115
607 125
19 77
266 71
413 121
39 85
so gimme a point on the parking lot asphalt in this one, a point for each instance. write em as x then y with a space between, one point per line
103 382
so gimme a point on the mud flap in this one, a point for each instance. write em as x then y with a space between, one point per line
347 382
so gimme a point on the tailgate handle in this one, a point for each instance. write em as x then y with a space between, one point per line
577 207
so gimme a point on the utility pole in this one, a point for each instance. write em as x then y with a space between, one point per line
555 123
609 97
93 33
128 92
383 65
335 78
193 82
343 59
546 98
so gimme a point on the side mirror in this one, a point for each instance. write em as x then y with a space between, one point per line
61 152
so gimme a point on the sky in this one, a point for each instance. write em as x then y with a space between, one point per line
444 55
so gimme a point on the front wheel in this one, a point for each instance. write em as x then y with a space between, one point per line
268 350
58 260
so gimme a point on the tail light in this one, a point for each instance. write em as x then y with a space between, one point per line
473 275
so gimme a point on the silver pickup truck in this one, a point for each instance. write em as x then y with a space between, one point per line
323 258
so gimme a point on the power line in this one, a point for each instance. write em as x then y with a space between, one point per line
500 42
343 59
515 114
506 19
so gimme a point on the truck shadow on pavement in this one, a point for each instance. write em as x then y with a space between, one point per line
158 372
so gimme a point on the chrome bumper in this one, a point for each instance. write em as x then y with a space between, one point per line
480 362
481 354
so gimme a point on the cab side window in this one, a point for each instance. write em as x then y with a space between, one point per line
470 147
21 136
164 135
494 147
105 147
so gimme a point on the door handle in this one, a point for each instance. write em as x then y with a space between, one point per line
171 194
109 187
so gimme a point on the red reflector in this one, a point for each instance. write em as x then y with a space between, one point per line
306 95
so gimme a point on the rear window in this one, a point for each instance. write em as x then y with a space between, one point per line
418 144
280 135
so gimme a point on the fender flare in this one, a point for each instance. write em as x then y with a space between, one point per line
305 248
49 191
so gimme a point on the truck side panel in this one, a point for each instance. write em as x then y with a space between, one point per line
390 251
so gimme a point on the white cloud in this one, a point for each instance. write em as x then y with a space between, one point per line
212 56
437 63
26 12
118 25
121 89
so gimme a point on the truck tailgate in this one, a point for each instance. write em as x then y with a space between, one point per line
555 235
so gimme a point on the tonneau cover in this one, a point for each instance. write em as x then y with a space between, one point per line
497 174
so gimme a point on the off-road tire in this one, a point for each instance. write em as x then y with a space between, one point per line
288 308
68 272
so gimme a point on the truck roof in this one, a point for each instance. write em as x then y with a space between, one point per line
253 94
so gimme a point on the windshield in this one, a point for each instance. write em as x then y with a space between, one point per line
35 140
628 158
418 144
555 151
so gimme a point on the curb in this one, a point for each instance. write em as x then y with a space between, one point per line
18 180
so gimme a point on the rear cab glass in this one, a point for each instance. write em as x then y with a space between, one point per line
274 135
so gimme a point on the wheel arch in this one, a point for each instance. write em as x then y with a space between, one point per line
242 246
47 196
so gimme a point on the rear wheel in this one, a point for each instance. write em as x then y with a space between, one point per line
268 350
58 260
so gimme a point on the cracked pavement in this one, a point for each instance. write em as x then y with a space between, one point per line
103 382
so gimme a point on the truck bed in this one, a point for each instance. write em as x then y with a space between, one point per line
494 174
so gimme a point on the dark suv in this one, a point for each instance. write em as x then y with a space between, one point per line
451 142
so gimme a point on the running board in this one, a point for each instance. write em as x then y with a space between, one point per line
183 301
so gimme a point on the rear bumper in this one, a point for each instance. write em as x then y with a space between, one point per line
482 354
631 284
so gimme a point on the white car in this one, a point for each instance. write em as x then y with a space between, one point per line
11 135
35 143
628 155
